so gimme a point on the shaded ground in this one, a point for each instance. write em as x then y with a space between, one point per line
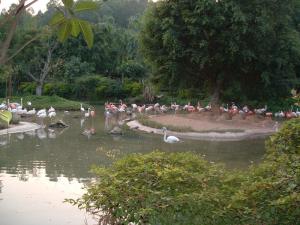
205 122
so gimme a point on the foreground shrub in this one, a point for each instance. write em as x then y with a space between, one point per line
159 188
182 188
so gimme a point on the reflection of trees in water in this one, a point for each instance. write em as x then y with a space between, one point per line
67 157
1 186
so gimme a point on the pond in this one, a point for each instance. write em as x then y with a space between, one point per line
38 170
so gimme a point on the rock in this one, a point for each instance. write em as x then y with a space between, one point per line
15 118
58 124
116 130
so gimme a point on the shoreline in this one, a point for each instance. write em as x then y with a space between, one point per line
20 128
207 136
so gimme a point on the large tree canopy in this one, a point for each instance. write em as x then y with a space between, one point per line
249 49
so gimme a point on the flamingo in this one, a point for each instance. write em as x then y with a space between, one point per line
31 112
87 114
141 108
149 109
52 114
134 107
169 139
164 108
81 108
199 107
93 113
51 109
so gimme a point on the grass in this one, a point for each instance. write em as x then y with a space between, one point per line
144 120
40 102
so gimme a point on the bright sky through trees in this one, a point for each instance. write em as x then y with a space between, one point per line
39 5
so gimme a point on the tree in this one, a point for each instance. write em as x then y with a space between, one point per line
42 67
250 49
65 19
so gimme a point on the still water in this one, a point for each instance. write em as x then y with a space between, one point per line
38 170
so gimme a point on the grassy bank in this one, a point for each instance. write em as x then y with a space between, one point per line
39 102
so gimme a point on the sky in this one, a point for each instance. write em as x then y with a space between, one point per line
39 5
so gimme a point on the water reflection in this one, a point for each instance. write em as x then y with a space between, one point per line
52 162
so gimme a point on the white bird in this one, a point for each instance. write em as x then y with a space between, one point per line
51 109
42 113
52 114
134 107
298 113
169 139
31 112
41 133
29 103
81 108
87 114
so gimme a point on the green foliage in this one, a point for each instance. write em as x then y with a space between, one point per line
98 87
132 69
60 89
157 188
68 24
132 88
5 116
27 88
40 102
287 140
182 188
239 49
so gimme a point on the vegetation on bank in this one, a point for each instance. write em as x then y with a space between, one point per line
40 102
183 188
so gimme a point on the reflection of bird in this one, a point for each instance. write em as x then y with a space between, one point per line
51 134
20 136
30 133
88 132
41 133
169 139
81 122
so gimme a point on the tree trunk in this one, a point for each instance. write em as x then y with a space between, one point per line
215 98
39 89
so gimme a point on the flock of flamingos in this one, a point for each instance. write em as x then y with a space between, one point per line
232 110
112 108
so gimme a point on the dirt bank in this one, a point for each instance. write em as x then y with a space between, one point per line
207 127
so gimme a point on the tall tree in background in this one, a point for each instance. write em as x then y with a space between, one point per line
247 48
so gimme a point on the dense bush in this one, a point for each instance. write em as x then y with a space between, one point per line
27 88
60 89
133 88
183 188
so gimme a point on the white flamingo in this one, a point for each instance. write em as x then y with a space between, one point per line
169 139
52 114
87 114
81 108
31 112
